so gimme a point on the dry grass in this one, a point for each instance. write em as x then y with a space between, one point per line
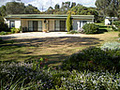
55 49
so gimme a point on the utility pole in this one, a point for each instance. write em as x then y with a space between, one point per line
42 8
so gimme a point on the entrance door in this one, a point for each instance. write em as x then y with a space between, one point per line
35 25
51 25
62 25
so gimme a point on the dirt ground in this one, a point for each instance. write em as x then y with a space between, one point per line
56 48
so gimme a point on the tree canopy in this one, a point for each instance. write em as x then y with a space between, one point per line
18 8
108 7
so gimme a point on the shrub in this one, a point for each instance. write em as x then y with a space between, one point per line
21 76
90 28
4 27
69 23
90 81
114 28
1 40
117 25
73 32
93 59
15 30
119 35
111 46
3 33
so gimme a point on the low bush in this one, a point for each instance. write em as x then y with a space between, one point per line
111 46
90 81
90 28
119 35
21 76
4 27
73 32
117 26
3 33
1 40
114 28
15 30
93 59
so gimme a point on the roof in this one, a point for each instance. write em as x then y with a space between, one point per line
47 16
110 18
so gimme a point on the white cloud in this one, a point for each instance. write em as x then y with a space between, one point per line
3 2
48 3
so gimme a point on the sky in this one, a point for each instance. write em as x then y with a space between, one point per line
47 3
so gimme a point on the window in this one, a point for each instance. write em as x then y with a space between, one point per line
84 22
57 25
12 24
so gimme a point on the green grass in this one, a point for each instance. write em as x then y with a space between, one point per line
103 27
55 49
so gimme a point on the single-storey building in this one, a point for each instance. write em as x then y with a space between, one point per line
109 20
50 22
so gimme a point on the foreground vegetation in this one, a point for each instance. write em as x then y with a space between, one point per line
75 73
49 63
20 76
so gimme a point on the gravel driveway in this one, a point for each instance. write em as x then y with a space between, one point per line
30 35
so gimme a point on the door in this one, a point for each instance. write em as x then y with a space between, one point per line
39 25
35 25
51 25
57 25
62 25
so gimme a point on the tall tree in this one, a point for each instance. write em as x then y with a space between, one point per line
57 6
3 10
31 10
50 10
108 7
73 4
15 8
69 23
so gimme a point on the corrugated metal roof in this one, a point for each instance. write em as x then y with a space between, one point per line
48 16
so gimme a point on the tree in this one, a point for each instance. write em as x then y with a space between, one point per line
31 10
73 4
3 10
69 23
50 10
15 8
108 7
57 6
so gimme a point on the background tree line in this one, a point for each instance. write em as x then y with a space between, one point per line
17 8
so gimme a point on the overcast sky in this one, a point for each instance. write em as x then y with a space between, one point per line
47 3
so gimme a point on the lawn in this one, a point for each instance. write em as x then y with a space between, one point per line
55 49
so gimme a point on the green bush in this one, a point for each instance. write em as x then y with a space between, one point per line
21 76
73 32
117 26
3 33
119 35
111 46
93 59
15 30
69 23
4 27
1 40
90 28
90 81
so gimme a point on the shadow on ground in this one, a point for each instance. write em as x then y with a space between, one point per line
20 49
36 42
